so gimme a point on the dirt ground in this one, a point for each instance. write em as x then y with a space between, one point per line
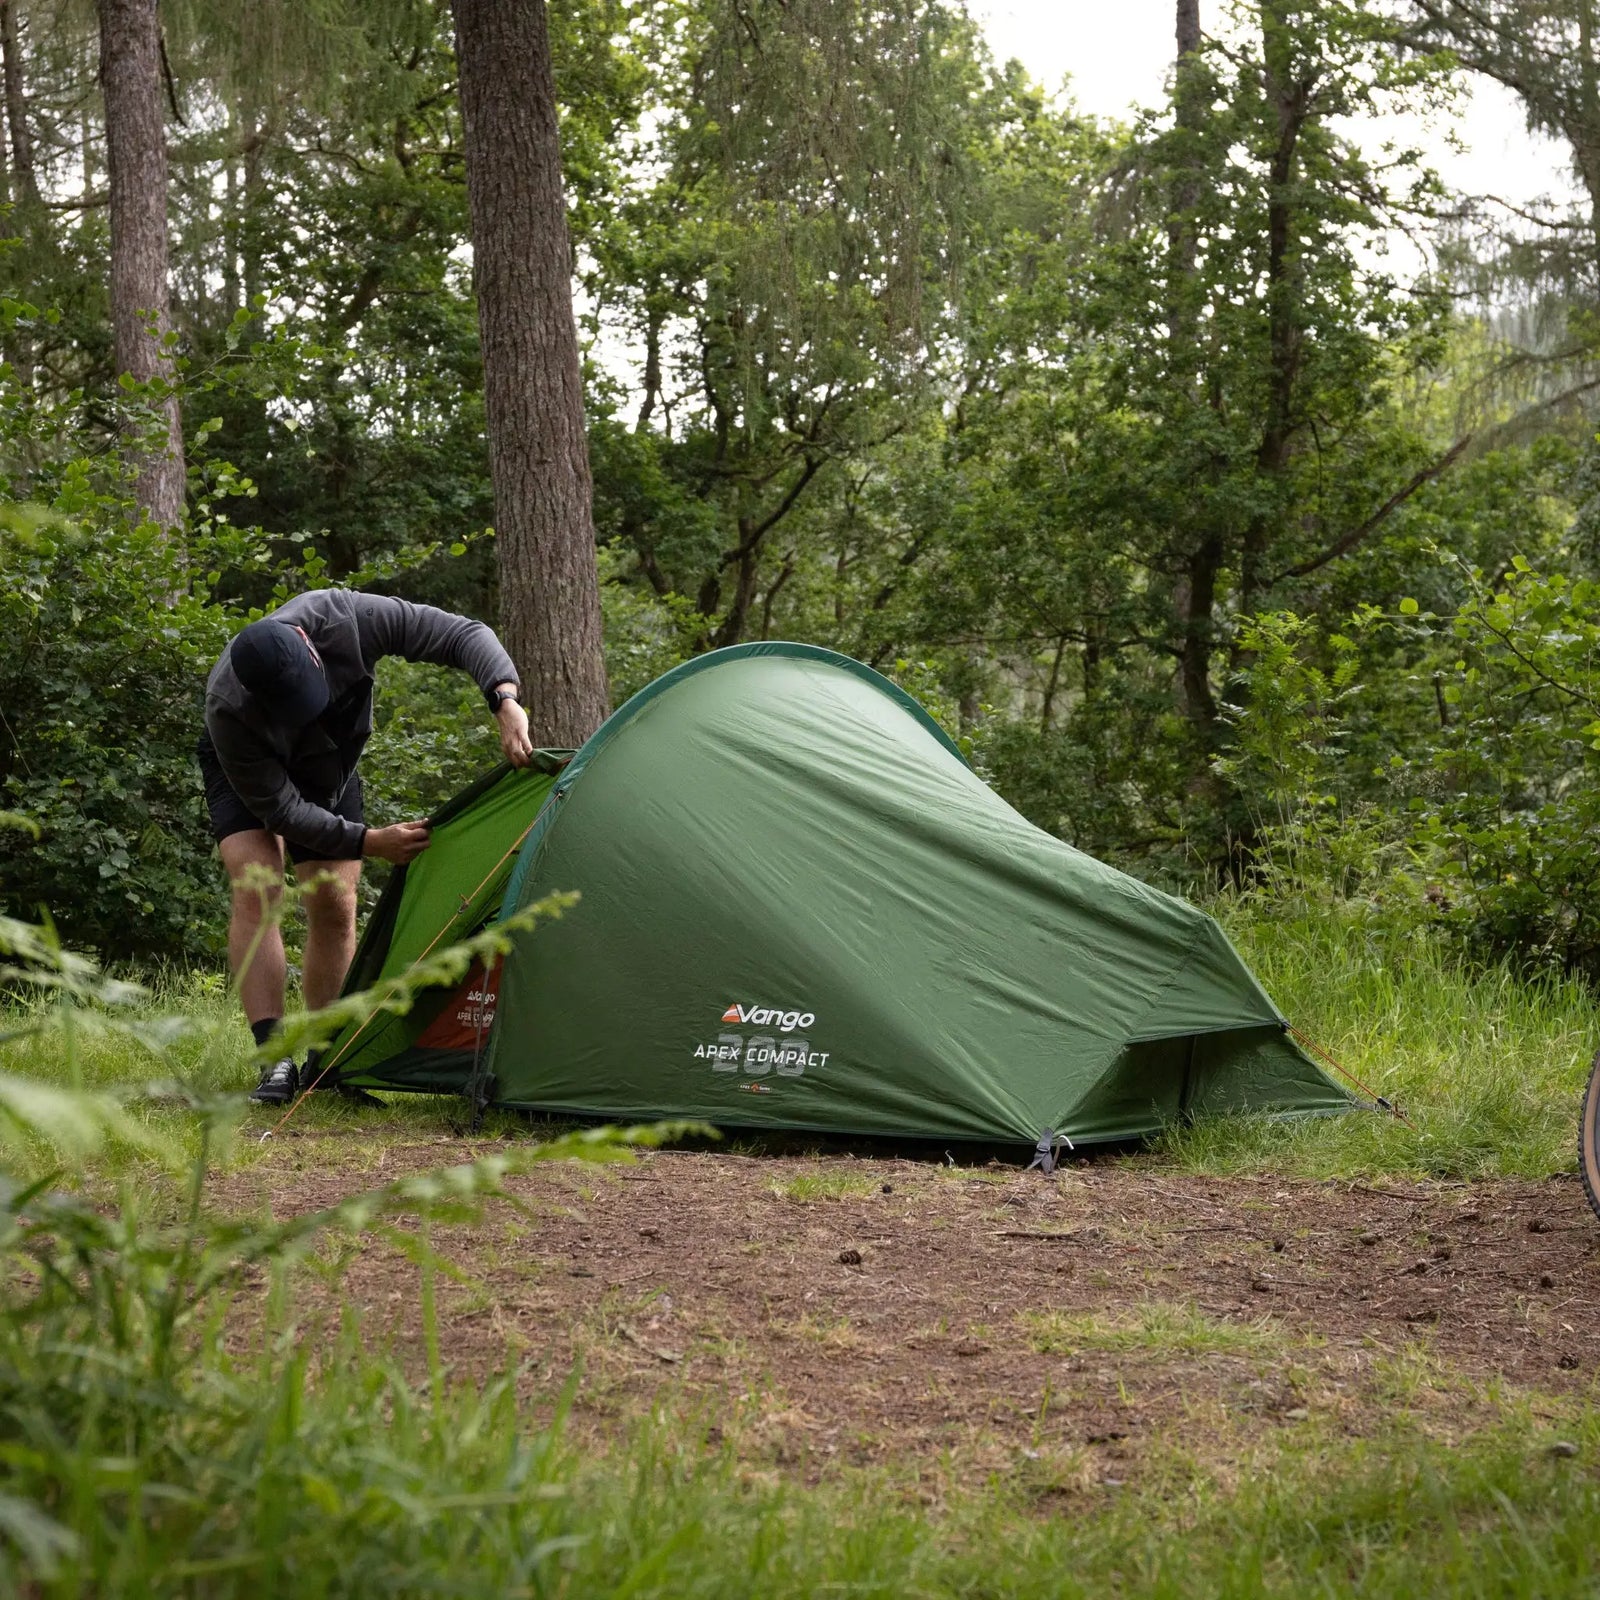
857 1310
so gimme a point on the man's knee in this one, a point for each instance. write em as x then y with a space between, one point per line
253 861
255 898
330 906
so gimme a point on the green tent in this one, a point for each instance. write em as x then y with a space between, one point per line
802 910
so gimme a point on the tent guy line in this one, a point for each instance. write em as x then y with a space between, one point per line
1377 1099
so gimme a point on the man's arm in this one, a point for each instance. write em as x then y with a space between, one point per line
394 627
513 720
259 779
391 627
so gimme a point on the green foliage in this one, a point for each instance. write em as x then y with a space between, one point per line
1507 795
645 634
108 645
1317 829
431 738
785 261
1289 718
116 1376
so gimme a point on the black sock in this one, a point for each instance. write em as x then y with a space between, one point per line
264 1029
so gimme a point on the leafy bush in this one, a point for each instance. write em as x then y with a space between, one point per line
111 626
432 736
1318 825
645 635
1508 799
1476 806
107 648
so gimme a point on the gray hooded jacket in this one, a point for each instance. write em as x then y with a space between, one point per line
291 777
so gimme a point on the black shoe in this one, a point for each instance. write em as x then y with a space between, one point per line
278 1085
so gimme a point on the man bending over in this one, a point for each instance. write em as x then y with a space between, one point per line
288 711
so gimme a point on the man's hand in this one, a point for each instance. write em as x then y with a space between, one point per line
514 738
400 842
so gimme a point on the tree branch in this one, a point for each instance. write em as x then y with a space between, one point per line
761 529
1424 476
166 74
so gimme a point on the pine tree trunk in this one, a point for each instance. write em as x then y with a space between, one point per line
1584 148
1289 99
1189 114
22 168
136 161
538 454
22 183
1194 596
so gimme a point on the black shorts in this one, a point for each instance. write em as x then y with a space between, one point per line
230 815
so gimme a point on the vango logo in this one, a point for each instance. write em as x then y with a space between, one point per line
768 1017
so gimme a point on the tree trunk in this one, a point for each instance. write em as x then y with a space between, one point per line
1196 602
1288 97
748 567
253 210
22 183
22 168
1584 144
1194 597
1048 707
136 162
538 455
1189 114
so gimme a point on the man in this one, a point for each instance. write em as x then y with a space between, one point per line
288 711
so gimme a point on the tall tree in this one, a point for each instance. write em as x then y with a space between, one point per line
1196 590
21 135
21 186
136 159
788 265
533 387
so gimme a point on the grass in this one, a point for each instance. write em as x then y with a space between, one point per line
1158 1327
147 1453
367 1486
810 1186
209 1055
837 1333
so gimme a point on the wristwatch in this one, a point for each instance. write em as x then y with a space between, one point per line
498 697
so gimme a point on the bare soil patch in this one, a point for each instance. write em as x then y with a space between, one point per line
839 1309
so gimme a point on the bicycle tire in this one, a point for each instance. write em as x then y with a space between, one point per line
1589 1138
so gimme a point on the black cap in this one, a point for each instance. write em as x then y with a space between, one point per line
277 666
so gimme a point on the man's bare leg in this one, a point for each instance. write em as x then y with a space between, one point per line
330 928
260 972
